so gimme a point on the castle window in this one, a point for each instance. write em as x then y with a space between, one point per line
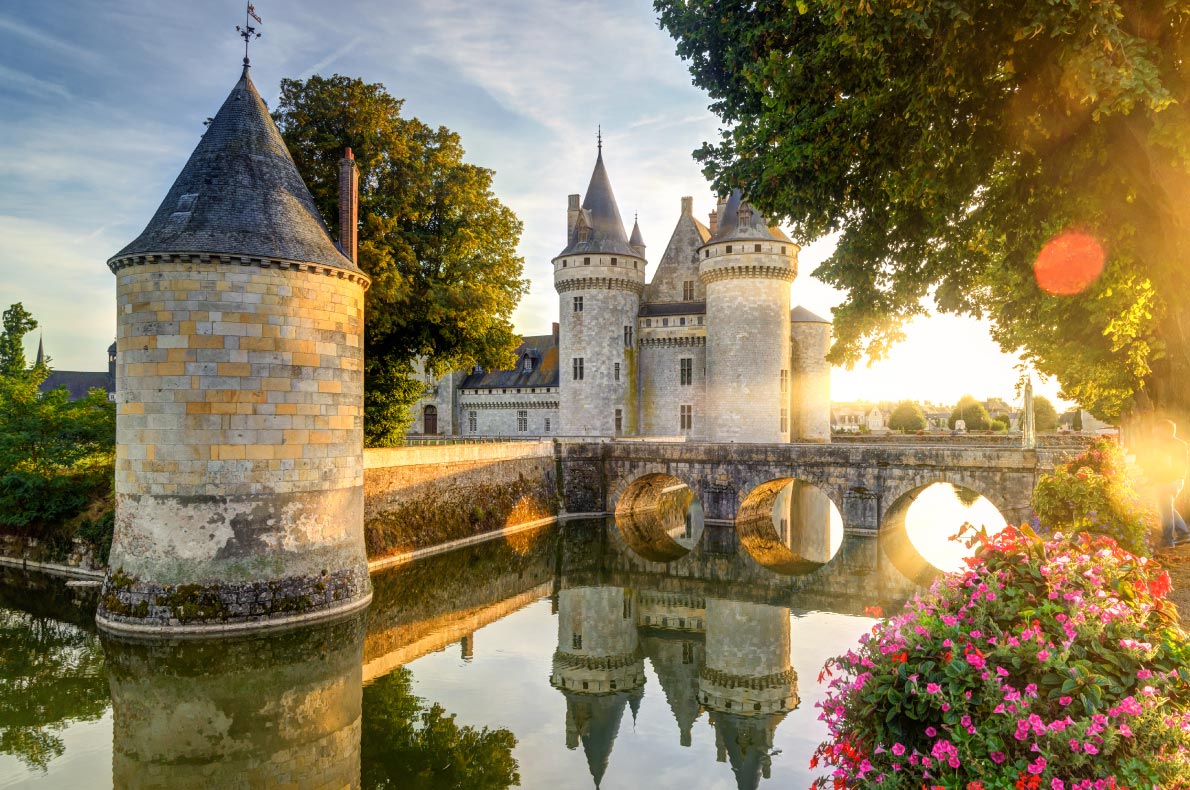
665 322
706 253
614 261
547 425
628 337
782 250
686 371
472 422
634 266
522 421
578 304
688 291
686 414
563 264
619 421
528 364
576 643
586 261
682 320
700 320
729 249
785 382
616 373
784 420
576 368
648 322
518 390
756 248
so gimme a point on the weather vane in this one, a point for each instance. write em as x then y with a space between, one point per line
248 32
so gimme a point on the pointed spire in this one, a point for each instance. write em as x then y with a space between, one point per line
599 138
601 229
240 194
40 352
637 242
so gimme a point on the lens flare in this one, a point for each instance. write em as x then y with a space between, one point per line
1068 263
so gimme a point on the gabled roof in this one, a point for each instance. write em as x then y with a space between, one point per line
679 263
77 382
755 228
240 194
599 228
541 349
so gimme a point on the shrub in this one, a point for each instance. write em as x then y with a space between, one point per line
1094 493
1049 663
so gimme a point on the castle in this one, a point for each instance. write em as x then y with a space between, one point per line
708 349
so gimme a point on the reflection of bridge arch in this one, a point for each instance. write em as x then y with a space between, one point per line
786 525
659 516
912 485
894 532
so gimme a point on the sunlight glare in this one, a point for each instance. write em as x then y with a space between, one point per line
1068 263
936 515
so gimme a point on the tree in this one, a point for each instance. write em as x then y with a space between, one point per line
405 744
972 413
18 322
438 245
948 142
907 417
1045 416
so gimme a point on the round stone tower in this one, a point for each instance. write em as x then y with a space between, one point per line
239 384
599 277
747 268
810 396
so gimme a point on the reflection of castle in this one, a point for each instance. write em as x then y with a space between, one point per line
726 657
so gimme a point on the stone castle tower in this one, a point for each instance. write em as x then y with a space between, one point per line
599 276
239 467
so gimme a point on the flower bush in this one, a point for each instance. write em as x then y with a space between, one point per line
1094 493
1050 663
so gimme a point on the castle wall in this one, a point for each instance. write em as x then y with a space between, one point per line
810 395
239 470
499 414
662 393
747 348
611 301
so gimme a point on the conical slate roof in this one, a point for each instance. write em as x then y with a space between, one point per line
240 194
756 228
800 315
637 240
599 229
596 718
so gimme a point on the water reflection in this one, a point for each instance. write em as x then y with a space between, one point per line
660 517
53 670
261 712
790 526
922 525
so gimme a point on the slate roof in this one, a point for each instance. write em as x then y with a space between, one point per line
240 194
800 315
78 382
542 349
649 309
757 228
637 240
600 217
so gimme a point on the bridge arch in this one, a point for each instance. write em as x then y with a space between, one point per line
933 551
659 516
789 526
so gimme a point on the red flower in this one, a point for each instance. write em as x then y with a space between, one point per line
873 611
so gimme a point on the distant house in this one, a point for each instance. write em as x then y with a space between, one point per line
79 382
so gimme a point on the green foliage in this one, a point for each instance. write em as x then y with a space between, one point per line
1045 416
18 322
439 246
53 674
1076 423
906 417
99 533
946 142
972 413
1094 493
55 455
410 746
999 425
1048 659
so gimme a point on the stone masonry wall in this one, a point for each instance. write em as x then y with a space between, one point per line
239 397
663 394
810 394
424 496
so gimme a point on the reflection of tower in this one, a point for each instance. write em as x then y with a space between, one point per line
262 712
747 684
673 624
598 667
802 518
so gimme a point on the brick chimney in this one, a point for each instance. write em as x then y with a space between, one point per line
572 210
687 207
349 206
555 333
714 221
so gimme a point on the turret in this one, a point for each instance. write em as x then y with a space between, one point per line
810 394
637 241
599 276
747 268
239 391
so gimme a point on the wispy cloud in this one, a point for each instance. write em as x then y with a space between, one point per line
44 40
26 83
333 57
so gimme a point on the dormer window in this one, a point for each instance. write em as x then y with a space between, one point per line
528 364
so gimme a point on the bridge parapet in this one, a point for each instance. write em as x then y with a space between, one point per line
864 481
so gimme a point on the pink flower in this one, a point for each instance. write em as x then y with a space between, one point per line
1064 701
898 749
1143 674
997 757
1090 748
933 688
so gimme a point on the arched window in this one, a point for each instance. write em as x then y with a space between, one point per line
429 421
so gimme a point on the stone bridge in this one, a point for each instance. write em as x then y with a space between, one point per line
866 483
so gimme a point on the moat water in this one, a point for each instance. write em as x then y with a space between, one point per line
563 657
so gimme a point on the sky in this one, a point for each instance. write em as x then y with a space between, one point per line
102 103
